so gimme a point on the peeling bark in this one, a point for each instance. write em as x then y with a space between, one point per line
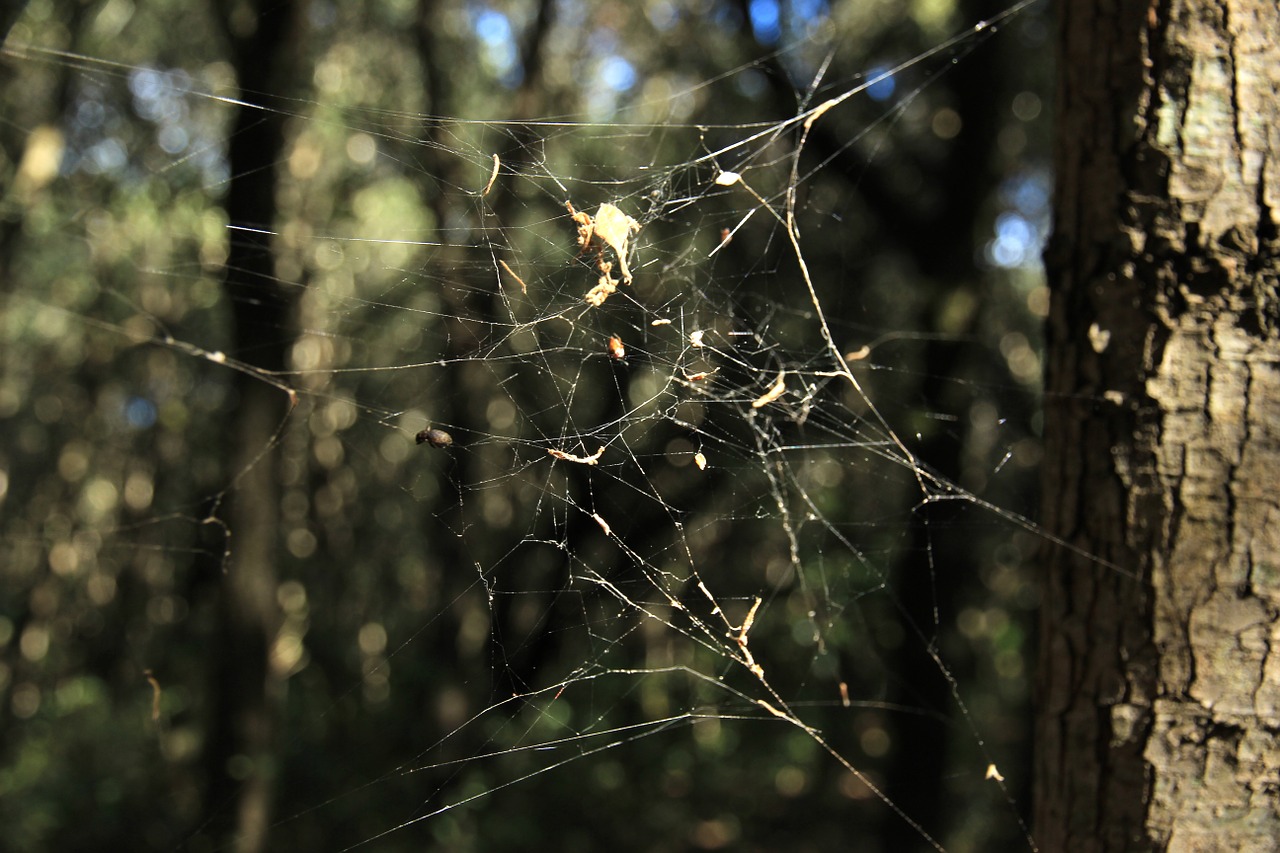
1159 694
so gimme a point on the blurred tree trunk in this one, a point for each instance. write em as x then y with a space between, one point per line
1159 696
945 252
240 750
9 14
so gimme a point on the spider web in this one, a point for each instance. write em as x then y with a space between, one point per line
655 534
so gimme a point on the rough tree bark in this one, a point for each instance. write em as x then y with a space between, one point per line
1160 646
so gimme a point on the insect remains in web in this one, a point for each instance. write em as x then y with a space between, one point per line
612 229
434 437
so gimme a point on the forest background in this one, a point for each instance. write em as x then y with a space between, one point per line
741 557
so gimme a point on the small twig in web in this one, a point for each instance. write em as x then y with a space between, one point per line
778 388
524 288
780 715
748 622
493 176
817 113
604 525
747 658
155 694
715 606
581 460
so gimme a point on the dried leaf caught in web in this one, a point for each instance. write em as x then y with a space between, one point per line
613 228
586 227
604 287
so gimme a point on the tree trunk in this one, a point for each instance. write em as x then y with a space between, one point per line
240 753
1159 698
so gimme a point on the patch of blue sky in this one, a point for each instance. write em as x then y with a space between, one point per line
662 14
766 21
160 96
498 45
809 13
618 74
880 86
173 139
139 412
1014 242
104 157
1021 230
1028 192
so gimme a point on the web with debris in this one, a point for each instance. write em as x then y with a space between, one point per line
611 465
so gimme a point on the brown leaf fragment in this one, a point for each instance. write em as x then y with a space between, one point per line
605 287
609 229
613 228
